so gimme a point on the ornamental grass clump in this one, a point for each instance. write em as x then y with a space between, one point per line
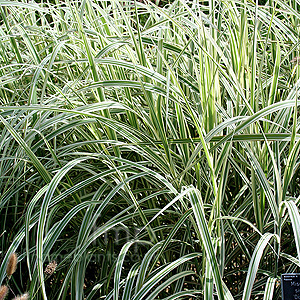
153 149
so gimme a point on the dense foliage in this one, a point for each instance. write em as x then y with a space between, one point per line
149 149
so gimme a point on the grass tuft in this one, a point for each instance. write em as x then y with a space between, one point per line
151 148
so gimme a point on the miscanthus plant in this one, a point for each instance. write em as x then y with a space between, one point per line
149 150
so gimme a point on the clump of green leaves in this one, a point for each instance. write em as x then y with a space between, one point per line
152 149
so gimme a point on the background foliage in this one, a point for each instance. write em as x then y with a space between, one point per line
150 148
